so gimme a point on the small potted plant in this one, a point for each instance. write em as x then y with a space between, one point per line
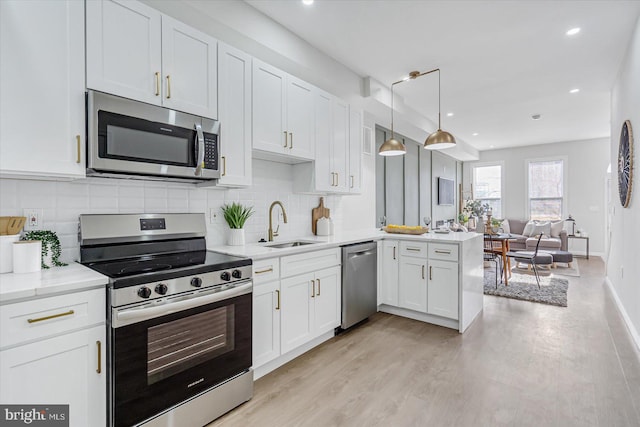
236 215
463 218
50 247
495 225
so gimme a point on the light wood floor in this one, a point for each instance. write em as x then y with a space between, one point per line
519 364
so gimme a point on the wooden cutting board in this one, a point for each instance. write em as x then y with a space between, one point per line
15 225
317 213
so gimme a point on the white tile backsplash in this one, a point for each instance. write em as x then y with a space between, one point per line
63 202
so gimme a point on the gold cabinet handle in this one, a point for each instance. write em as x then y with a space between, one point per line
78 149
99 368
318 294
290 140
414 249
430 272
443 252
337 179
224 165
423 272
313 291
265 271
394 252
157 84
53 316
286 142
351 177
168 86
278 294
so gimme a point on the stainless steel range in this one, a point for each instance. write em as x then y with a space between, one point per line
179 322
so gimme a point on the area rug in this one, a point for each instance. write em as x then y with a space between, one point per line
553 290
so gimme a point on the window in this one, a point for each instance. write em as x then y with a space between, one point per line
546 189
487 187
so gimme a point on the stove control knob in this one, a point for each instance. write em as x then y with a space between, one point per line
196 282
237 274
144 292
225 276
161 288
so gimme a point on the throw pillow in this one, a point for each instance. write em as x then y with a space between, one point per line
556 228
505 226
543 227
528 229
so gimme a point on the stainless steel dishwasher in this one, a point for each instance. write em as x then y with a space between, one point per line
359 282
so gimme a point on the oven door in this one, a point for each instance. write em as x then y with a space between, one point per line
159 360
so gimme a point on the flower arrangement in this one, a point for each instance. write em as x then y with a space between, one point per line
475 207
236 215
50 247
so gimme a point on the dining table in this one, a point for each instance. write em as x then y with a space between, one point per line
503 239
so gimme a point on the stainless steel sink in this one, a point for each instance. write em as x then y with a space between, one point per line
289 244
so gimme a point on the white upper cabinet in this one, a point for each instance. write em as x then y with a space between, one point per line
234 81
136 52
282 113
42 88
355 151
340 146
324 179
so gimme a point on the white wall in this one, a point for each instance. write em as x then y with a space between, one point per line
586 170
63 202
623 268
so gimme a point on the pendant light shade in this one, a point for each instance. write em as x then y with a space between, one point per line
438 140
392 147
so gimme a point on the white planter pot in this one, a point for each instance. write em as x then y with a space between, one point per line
236 237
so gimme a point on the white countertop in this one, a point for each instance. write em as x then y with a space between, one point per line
260 250
71 278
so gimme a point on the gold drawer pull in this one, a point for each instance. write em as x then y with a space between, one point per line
290 140
351 177
157 84
99 368
423 272
318 294
313 292
443 252
53 316
78 149
278 294
286 142
168 87
268 270
414 249
430 273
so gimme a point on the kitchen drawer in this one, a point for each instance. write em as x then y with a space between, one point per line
443 251
415 249
41 318
309 261
266 270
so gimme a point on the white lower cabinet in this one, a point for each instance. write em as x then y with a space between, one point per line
442 292
390 265
412 290
266 322
327 300
59 355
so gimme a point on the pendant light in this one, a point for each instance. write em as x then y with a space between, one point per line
436 141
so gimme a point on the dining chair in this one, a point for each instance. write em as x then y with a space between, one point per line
491 254
528 257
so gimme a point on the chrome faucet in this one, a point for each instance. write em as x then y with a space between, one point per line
284 214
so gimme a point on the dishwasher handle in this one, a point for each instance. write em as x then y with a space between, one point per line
361 253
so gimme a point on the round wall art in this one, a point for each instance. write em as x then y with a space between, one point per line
625 164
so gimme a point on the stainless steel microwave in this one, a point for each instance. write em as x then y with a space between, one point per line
131 139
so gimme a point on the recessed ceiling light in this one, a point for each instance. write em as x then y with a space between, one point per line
536 116
574 91
307 2
475 134
573 31
449 114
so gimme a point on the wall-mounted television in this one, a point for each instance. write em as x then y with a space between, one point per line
446 192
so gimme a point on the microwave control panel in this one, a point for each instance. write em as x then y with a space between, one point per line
210 151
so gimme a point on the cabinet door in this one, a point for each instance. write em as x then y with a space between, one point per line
300 112
443 289
269 108
389 282
60 370
189 69
355 151
42 88
234 82
412 292
340 145
328 297
124 49
297 311
266 323
324 179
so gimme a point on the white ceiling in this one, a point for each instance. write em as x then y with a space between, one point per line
501 61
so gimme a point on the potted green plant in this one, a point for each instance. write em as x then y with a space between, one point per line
236 216
495 224
50 247
463 218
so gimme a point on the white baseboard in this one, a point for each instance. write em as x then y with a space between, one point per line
627 320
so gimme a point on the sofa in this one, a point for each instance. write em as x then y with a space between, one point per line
554 237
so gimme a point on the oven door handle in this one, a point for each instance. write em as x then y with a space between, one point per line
131 315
